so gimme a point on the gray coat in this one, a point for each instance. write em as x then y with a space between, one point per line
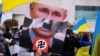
3 44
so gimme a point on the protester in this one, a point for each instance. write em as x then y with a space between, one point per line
15 35
3 44
70 43
7 34
85 45
15 39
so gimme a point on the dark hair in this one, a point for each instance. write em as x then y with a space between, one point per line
7 29
85 36
69 31
15 29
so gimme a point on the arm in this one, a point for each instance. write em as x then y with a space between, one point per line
77 44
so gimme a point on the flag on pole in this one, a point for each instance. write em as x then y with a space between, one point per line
96 37
10 4
81 25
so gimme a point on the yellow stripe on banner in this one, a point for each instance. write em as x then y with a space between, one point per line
82 27
96 50
10 4
34 0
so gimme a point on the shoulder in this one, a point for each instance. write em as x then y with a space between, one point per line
27 22
57 41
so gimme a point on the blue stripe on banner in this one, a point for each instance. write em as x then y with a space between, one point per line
81 22
96 32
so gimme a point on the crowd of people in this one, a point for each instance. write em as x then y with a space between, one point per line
8 37
74 44
44 22
77 44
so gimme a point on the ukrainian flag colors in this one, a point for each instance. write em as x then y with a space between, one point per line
96 38
81 25
96 46
10 4
83 51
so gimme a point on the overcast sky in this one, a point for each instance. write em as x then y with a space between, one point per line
0 2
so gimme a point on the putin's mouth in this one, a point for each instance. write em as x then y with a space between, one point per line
43 32
43 29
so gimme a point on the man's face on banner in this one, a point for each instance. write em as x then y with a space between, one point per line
38 10
53 14
47 28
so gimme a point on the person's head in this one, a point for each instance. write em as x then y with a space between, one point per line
71 34
85 37
14 30
69 31
38 10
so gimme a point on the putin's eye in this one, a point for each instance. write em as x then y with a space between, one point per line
56 13
44 10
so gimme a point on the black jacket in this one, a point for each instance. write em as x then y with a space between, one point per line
25 42
7 35
27 22
69 45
